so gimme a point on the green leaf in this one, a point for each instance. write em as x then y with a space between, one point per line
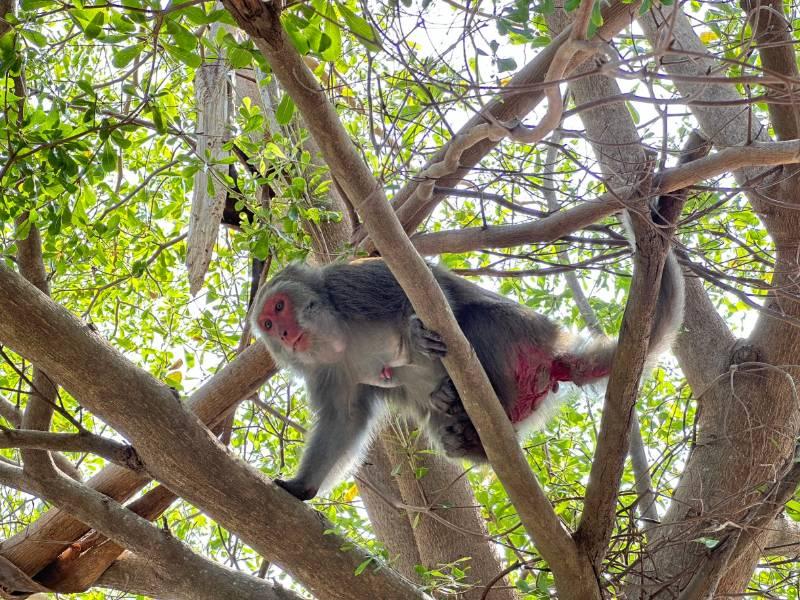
26 5
184 38
95 27
85 86
108 158
360 28
37 38
506 64
360 568
121 23
597 15
285 110
124 56
239 58
334 32
158 119
299 41
190 59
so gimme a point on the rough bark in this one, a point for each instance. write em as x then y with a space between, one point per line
447 523
776 47
623 161
135 575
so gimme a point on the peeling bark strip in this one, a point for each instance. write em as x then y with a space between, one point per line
169 439
211 98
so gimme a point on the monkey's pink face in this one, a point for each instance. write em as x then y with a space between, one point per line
278 320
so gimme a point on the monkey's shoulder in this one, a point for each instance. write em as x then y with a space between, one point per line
364 291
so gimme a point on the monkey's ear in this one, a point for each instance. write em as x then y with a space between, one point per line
296 489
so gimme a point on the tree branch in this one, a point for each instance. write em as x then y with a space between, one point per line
34 547
169 439
261 21
116 452
168 556
133 574
775 42
562 223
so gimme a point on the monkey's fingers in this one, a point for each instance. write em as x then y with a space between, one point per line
426 340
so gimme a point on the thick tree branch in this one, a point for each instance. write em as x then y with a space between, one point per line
784 539
43 394
261 21
754 415
170 557
34 548
168 440
622 160
77 571
740 538
598 517
134 574
776 45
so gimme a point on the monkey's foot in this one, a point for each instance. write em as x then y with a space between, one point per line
460 440
424 340
296 488
445 398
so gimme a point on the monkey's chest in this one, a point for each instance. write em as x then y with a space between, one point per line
380 357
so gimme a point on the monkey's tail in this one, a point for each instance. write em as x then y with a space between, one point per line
594 357
590 359
669 307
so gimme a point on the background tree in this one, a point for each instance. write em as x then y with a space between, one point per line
148 149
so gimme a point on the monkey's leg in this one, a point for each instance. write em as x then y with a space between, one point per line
342 429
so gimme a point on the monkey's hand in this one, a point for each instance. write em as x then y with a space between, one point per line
424 340
296 489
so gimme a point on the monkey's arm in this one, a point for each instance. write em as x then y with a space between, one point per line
346 415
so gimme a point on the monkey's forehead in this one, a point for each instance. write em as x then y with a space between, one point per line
296 286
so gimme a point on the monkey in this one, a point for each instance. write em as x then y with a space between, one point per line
350 330
356 358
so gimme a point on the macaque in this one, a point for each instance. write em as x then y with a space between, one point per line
350 330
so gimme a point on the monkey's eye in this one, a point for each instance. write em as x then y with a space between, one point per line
279 306
267 324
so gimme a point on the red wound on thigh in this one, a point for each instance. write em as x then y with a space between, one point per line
532 372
